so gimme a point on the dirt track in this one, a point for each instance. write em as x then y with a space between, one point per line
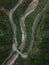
22 19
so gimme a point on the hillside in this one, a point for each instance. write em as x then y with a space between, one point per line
24 32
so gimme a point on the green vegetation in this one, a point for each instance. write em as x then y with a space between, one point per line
19 61
20 10
40 54
29 22
5 37
8 3
41 49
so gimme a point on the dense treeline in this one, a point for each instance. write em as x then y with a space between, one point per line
5 37
8 3
41 49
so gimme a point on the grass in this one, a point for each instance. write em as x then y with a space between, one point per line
5 38
19 11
